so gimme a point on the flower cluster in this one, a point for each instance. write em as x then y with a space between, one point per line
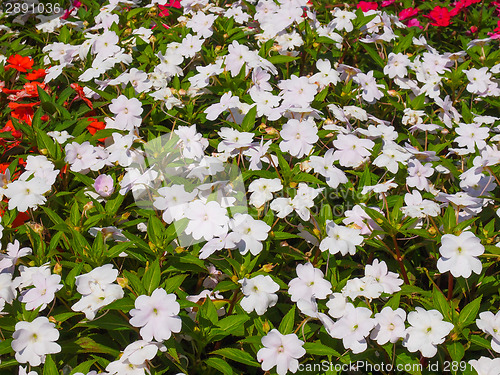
237 187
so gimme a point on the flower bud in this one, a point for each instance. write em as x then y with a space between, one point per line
122 281
57 268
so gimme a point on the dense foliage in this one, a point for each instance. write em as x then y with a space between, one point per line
258 186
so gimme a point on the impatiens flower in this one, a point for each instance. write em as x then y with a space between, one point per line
127 113
26 194
103 185
389 326
157 315
353 328
427 330
418 174
351 150
377 272
440 16
309 283
324 166
489 323
471 136
34 340
459 254
341 239
19 63
141 351
43 291
227 101
9 260
206 220
479 80
417 207
486 366
396 65
262 190
97 289
282 351
298 137
173 200
259 294
343 20
250 233
370 89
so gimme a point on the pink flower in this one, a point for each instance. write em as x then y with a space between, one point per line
407 13
414 23
103 185
367 5
386 3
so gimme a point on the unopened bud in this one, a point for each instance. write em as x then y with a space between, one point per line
266 327
179 249
43 151
293 185
52 320
271 131
57 268
393 93
267 267
316 232
122 281
234 279
182 92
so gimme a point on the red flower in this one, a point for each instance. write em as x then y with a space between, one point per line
35 74
31 88
440 16
81 94
94 126
386 3
23 112
407 13
9 127
367 5
20 63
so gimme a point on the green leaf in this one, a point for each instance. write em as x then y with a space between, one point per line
317 348
456 351
50 368
248 123
480 341
410 365
231 322
286 325
468 314
237 356
442 305
152 277
219 364
208 311
280 59
374 55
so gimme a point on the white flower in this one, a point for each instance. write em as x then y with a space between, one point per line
26 194
341 238
128 112
351 150
324 166
309 283
157 315
262 190
97 289
282 351
259 294
427 331
206 220
43 292
34 340
479 80
343 20
353 328
490 324
9 260
141 351
378 273
486 366
298 137
337 305
459 254
389 326
250 232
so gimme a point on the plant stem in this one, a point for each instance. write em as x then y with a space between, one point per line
400 261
